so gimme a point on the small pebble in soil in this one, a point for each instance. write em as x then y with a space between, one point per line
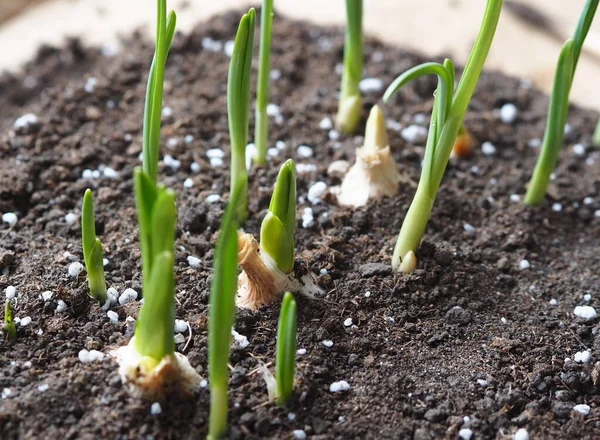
10 292
167 112
70 218
348 322
193 261
304 168
24 322
47 295
323 271
553 302
316 192
534 143
212 198
367 294
195 167
327 343
181 326
307 218
503 320
75 269
61 307
326 123
414 134
85 357
515 198
304 151
587 297
334 135
211 45
129 295
43 387
10 218
588 201
556 207
585 312
469 229
228 48
275 74
112 316
110 173
26 121
216 162
272 110
301 351
188 183
337 387
524 264
155 409
508 113
112 295
521 434
6 392
579 149
582 357
488 149
240 341
90 84
171 162
370 85
465 434
299 434
582 409
482 382
179 338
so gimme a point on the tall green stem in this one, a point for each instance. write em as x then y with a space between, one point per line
261 128
350 104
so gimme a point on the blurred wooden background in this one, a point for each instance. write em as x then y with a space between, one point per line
526 45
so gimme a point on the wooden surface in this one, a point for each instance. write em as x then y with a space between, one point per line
435 27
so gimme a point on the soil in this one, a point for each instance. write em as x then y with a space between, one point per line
470 340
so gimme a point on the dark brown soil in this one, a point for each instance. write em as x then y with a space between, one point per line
469 334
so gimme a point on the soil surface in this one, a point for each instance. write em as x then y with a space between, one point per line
471 340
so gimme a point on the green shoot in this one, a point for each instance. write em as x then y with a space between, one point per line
285 363
9 323
165 28
157 219
221 315
559 106
596 136
278 226
448 111
93 254
261 126
350 104
238 105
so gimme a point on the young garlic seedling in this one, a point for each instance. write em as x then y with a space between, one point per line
261 125
238 103
221 316
149 365
285 362
269 270
350 105
93 255
9 323
559 106
375 173
448 111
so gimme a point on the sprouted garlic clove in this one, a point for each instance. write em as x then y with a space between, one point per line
409 263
